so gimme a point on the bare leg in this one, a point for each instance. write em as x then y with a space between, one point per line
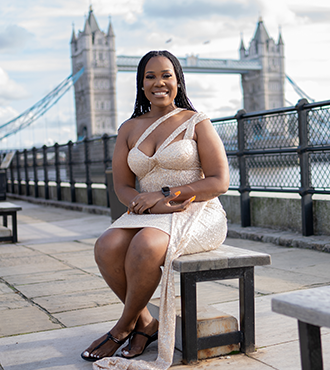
139 265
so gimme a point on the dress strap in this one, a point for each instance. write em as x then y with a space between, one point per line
173 135
198 117
152 127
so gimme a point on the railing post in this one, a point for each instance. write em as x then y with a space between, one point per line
57 172
105 139
305 172
27 186
88 177
45 165
244 179
35 172
18 169
12 176
70 165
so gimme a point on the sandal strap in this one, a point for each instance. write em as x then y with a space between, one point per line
111 337
141 333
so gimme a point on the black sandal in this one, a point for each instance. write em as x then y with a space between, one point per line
151 338
109 337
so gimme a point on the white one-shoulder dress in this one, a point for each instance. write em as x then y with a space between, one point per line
202 227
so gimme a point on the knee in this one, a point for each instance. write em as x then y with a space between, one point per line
106 248
147 249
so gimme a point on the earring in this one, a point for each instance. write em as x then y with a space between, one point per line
142 88
179 86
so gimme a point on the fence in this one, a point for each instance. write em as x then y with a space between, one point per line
80 164
279 150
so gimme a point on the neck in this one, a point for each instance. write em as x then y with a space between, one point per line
161 111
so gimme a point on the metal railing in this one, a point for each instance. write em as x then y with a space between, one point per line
73 164
279 150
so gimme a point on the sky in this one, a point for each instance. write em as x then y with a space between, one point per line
35 51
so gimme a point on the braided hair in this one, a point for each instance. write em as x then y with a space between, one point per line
142 104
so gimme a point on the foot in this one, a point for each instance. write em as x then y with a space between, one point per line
138 342
106 346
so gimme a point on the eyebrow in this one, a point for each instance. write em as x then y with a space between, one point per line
164 70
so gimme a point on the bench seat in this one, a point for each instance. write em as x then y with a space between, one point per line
9 209
311 307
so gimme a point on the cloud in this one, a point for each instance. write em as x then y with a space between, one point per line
313 15
14 37
7 114
9 89
200 9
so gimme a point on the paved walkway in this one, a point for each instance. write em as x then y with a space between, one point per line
53 301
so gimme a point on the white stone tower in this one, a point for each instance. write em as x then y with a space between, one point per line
264 89
95 91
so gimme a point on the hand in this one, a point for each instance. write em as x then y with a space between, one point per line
144 201
165 206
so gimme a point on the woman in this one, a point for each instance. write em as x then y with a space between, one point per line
181 166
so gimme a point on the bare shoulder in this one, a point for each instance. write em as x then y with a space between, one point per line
187 114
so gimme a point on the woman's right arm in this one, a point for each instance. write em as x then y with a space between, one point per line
123 177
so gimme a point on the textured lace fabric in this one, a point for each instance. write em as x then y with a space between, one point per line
202 227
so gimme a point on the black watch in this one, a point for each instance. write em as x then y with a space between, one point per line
166 191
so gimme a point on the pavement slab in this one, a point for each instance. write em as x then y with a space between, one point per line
45 276
91 315
82 284
57 248
77 301
25 320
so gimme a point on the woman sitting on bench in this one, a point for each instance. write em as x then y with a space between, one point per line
181 165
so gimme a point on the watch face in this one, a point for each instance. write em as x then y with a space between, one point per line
166 191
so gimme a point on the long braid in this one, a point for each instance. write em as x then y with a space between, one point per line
142 104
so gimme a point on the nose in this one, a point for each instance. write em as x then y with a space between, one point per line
159 82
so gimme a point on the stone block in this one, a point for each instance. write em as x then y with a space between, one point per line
210 321
4 231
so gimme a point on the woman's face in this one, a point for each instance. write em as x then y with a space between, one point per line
160 82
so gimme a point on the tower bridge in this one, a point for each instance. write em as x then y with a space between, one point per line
261 67
194 64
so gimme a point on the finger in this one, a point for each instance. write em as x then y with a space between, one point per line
173 196
183 206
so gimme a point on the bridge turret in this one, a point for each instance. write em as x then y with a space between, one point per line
95 92
264 89
242 50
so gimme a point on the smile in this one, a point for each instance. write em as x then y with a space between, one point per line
160 93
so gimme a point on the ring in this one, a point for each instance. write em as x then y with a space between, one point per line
133 204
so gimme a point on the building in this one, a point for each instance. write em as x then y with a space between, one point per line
264 89
95 91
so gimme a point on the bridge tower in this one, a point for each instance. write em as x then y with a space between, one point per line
95 91
264 89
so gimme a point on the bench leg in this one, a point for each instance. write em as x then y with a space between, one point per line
14 219
4 220
310 346
188 318
246 299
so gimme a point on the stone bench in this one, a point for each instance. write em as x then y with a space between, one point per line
9 209
226 262
311 308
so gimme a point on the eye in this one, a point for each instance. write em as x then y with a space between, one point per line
150 76
167 75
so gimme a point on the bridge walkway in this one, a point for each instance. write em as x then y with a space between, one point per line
54 302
